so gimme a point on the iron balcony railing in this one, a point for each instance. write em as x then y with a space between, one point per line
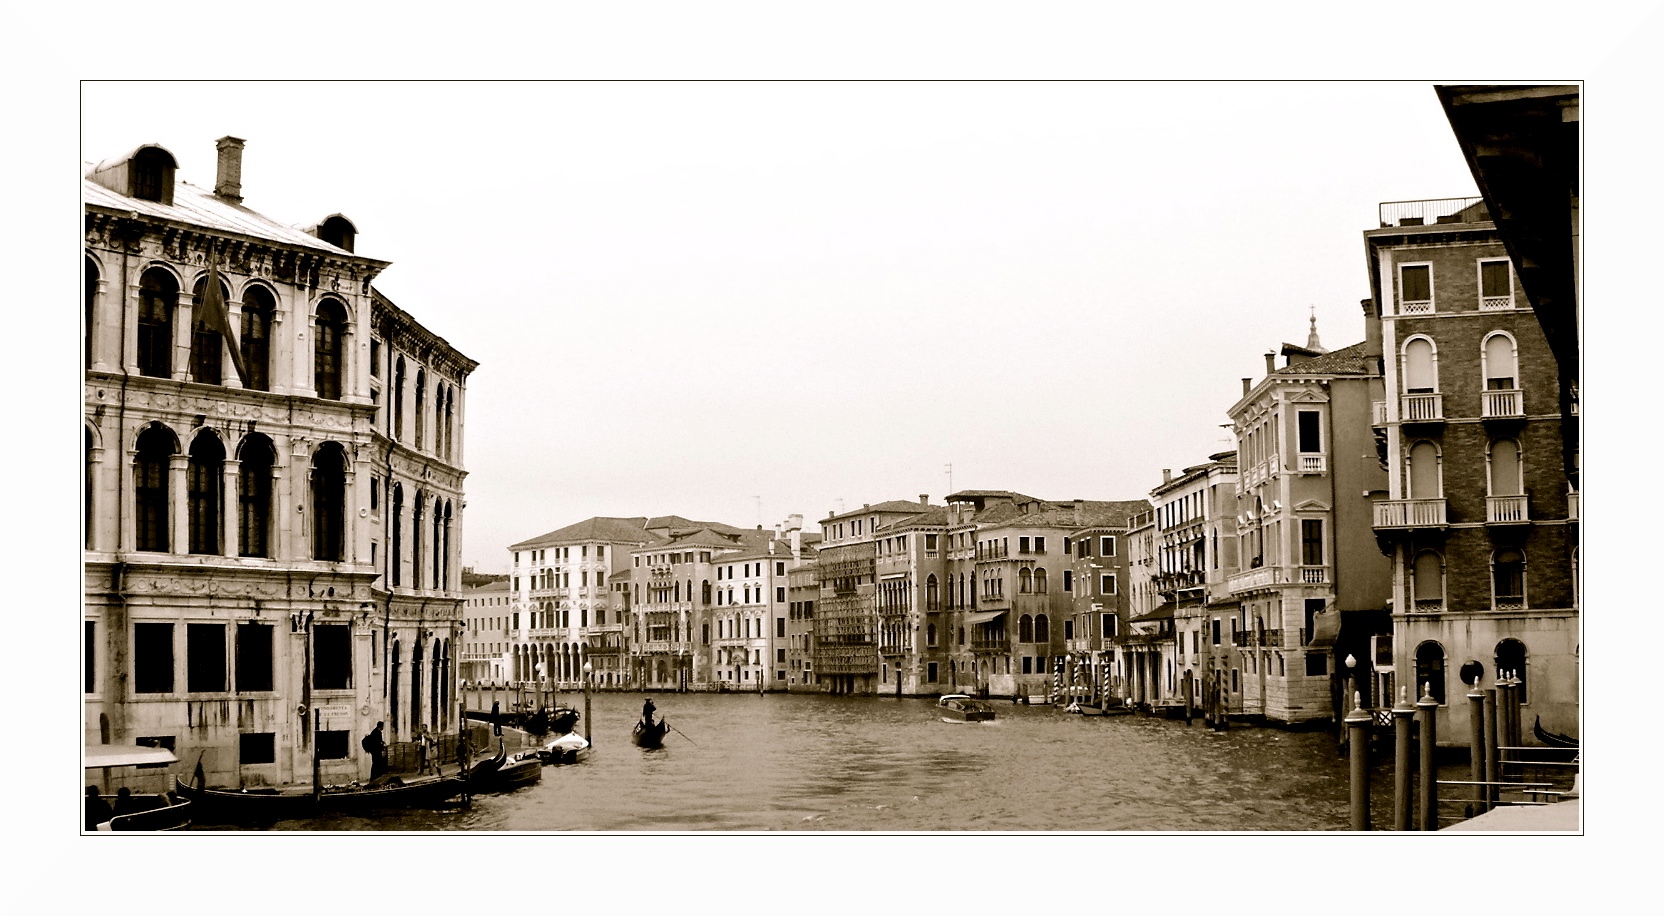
1397 213
1410 513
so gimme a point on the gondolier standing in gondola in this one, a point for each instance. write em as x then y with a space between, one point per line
647 713
376 747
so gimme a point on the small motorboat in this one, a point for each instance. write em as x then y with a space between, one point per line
568 748
650 736
958 707
130 811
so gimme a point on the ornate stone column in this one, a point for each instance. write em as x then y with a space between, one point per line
130 330
230 507
229 375
178 506
182 329
127 536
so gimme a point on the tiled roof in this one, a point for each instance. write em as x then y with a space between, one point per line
592 530
894 505
935 515
1345 361
200 207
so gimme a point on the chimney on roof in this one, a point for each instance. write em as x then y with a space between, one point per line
228 177
771 547
1372 329
1247 385
1166 475
797 541
1270 361
924 499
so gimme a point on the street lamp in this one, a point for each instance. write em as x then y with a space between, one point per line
589 724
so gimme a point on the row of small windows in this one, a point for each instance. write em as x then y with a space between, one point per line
444 403
436 556
1505 469
1510 658
1417 289
156 333
1498 357
1507 580
207 492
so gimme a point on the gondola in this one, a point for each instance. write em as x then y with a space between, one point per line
650 736
264 806
1551 739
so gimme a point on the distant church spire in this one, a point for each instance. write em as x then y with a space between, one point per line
1312 343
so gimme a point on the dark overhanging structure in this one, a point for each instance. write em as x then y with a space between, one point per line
1522 146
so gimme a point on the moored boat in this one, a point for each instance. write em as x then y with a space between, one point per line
1551 739
266 805
650 736
129 811
958 707
568 748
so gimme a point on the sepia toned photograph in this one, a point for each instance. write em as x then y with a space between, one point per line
872 457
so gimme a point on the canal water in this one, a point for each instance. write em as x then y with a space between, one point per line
743 762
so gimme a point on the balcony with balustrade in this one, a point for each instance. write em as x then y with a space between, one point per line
1503 404
1314 464
1421 408
1410 513
1259 578
1507 510
1378 414
1573 506
1314 575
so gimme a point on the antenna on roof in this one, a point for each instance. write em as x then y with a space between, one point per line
759 500
950 476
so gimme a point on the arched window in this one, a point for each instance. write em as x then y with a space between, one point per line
393 684
1427 581
254 495
204 481
158 295
1424 471
1507 473
438 541
156 447
421 407
1025 581
1510 661
1508 579
417 517
1430 669
1042 629
395 555
87 491
450 429
152 175
398 400
328 349
1040 580
932 600
445 554
329 502
1025 628
259 308
207 346
705 591
1501 371
90 294
930 635
1421 373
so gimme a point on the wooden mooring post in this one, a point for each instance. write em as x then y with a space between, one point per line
1476 744
1491 793
1357 752
1427 717
1403 724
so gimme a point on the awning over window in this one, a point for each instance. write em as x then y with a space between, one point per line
1325 629
984 617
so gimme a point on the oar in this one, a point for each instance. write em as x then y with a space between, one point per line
679 732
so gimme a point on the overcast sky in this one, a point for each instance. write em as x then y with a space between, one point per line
737 302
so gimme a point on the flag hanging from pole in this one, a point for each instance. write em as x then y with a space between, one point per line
217 316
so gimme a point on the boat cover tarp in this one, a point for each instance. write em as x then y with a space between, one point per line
125 755
568 742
